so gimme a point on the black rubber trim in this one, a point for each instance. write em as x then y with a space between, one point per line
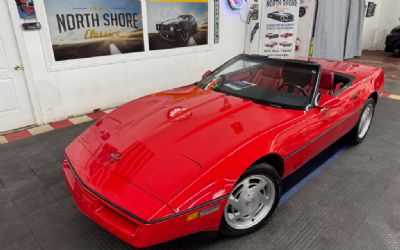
129 214
318 137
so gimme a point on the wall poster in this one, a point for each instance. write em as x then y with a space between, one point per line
279 28
82 29
177 23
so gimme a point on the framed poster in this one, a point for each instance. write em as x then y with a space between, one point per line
177 23
279 28
83 29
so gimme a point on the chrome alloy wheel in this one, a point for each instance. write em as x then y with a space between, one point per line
250 202
366 120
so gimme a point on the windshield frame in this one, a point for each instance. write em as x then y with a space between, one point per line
314 92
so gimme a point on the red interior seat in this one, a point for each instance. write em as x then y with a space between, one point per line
338 87
242 76
327 82
269 77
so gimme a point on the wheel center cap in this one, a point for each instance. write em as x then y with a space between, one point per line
250 203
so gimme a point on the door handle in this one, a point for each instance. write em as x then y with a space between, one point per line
353 97
17 67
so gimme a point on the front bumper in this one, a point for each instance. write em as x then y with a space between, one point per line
139 233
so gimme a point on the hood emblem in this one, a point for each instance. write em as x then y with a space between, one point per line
115 157
179 114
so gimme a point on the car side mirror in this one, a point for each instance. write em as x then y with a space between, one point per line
207 73
328 101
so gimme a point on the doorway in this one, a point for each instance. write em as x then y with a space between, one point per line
15 103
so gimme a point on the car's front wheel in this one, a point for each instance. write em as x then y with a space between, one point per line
252 201
185 35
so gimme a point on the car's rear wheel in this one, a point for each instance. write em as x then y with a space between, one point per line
252 201
360 131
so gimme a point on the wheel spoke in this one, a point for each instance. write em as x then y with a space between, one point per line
245 188
235 204
264 199
260 186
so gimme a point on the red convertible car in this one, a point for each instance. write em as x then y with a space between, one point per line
212 156
271 44
286 35
285 44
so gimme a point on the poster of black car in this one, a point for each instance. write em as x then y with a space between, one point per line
281 16
82 29
177 23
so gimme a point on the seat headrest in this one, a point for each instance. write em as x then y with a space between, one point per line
272 72
327 80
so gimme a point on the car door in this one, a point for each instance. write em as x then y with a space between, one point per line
325 126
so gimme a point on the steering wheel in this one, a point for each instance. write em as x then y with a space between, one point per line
293 85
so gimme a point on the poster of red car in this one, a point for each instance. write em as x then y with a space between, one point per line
280 19
26 9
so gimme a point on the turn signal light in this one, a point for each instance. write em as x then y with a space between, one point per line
193 216
202 213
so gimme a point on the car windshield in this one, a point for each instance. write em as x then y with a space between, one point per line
186 18
273 82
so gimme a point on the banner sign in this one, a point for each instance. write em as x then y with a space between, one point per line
305 27
279 28
177 23
82 29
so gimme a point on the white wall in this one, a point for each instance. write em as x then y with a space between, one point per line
62 93
378 27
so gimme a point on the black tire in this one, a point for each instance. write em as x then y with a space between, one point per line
353 136
258 169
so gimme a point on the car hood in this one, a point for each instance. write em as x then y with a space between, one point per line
163 142
171 21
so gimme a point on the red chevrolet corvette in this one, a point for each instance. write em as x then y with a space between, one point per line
212 156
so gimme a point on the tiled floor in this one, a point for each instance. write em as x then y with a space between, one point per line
388 61
353 203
